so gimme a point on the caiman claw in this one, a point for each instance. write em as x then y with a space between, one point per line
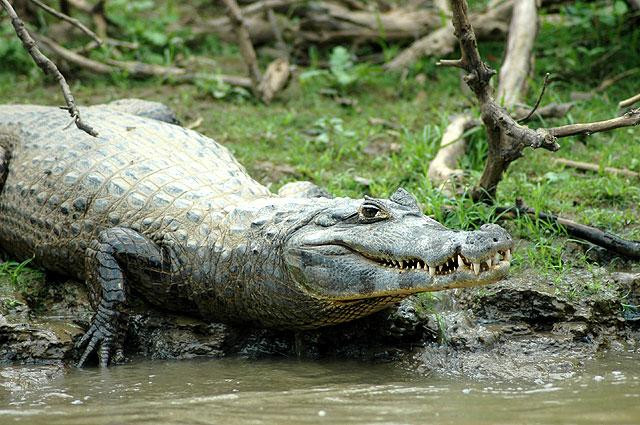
102 337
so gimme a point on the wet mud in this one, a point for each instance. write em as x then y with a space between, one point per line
521 328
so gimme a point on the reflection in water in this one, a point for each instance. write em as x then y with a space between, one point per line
233 391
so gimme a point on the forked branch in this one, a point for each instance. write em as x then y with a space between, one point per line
507 139
68 19
47 66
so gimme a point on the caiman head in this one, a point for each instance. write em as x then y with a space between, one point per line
388 249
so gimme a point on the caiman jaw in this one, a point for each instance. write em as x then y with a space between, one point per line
456 262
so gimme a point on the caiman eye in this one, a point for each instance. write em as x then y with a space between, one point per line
370 212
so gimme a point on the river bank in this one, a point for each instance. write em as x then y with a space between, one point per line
520 328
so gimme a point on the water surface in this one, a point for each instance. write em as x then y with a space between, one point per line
236 391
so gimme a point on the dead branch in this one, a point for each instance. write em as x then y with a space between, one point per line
517 62
68 19
630 101
244 42
608 82
275 79
443 169
538 100
551 110
586 166
442 41
629 119
594 235
506 137
48 67
260 29
138 69
99 18
326 21
277 34
109 42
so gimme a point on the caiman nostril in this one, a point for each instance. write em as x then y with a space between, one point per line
495 239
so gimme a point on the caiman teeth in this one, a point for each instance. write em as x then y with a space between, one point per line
507 255
455 263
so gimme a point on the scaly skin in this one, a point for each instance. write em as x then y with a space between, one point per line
149 208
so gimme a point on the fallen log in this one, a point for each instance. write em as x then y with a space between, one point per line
611 242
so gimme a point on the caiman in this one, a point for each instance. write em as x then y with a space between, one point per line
151 210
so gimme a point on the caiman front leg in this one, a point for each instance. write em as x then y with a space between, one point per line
116 254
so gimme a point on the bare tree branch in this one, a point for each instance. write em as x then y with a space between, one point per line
507 138
69 19
442 41
275 79
518 58
138 69
47 66
244 41
630 101
550 110
630 118
443 169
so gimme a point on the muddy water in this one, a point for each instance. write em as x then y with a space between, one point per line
298 392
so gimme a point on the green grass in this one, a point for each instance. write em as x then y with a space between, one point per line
306 134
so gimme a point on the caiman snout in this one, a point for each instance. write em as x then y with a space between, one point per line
490 237
481 249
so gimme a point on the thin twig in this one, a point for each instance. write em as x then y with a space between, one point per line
69 19
47 66
535 107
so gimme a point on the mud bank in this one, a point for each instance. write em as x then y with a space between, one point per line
520 328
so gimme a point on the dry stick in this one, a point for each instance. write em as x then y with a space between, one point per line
517 61
326 21
550 110
275 79
535 107
277 34
608 82
630 101
586 166
138 69
630 118
506 137
442 41
591 234
47 66
109 42
99 19
244 42
443 168
69 19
